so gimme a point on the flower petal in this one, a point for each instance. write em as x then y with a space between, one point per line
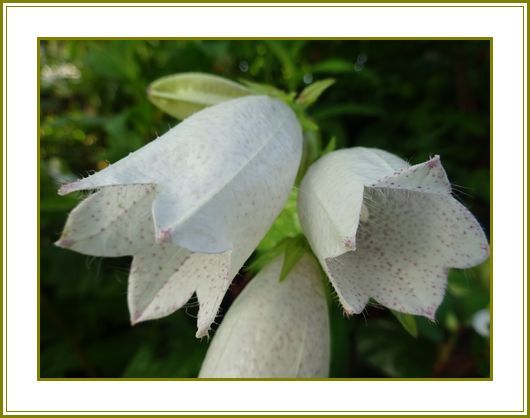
329 206
404 251
164 277
274 329
113 222
428 177
408 232
247 147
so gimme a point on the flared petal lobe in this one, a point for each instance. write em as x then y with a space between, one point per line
192 205
402 229
113 222
274 329
248 147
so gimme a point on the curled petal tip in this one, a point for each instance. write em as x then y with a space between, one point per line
64 242
434 162
349 243
163 236
348 312
66 188
135 319
202 332
429 313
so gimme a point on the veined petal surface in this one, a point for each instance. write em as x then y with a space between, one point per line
112 222
248 147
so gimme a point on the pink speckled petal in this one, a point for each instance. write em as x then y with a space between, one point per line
113 222
404 250
164 277
408 233
246 150
274 329
428 177
202 195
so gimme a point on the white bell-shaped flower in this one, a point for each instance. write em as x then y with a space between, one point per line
274 329
386 230
192 205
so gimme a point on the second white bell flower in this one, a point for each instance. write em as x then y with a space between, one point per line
274 329
386 230
192 205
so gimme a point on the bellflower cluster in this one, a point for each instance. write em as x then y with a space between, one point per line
192 206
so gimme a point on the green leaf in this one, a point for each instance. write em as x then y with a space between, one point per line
331 146
181 95
294 249
307 123
286 225
312 92
264 257
267 89
408 322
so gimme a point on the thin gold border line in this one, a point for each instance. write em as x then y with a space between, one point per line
464 379
250 6
2 263
227 379
38 210
490 78
331 379
267 411
280 38
294 3
6 228
491 209
207 6
525 225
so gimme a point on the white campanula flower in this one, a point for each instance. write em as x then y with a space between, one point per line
386 230
192 205
274 329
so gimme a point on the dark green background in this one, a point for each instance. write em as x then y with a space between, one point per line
413 98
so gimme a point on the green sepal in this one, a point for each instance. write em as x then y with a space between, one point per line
183 94
266 256
268 90
286 225
330 146
294 250
312 92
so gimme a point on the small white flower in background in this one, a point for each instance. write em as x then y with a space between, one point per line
274 329
192 205
386 230
481 322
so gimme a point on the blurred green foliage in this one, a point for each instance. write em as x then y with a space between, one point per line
413 98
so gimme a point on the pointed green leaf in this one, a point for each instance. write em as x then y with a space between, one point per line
181 95
408 322
286 225
307 123
267 89
294 249
312 92
264 257
331 146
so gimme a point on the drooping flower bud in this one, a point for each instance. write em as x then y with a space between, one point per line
274 329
